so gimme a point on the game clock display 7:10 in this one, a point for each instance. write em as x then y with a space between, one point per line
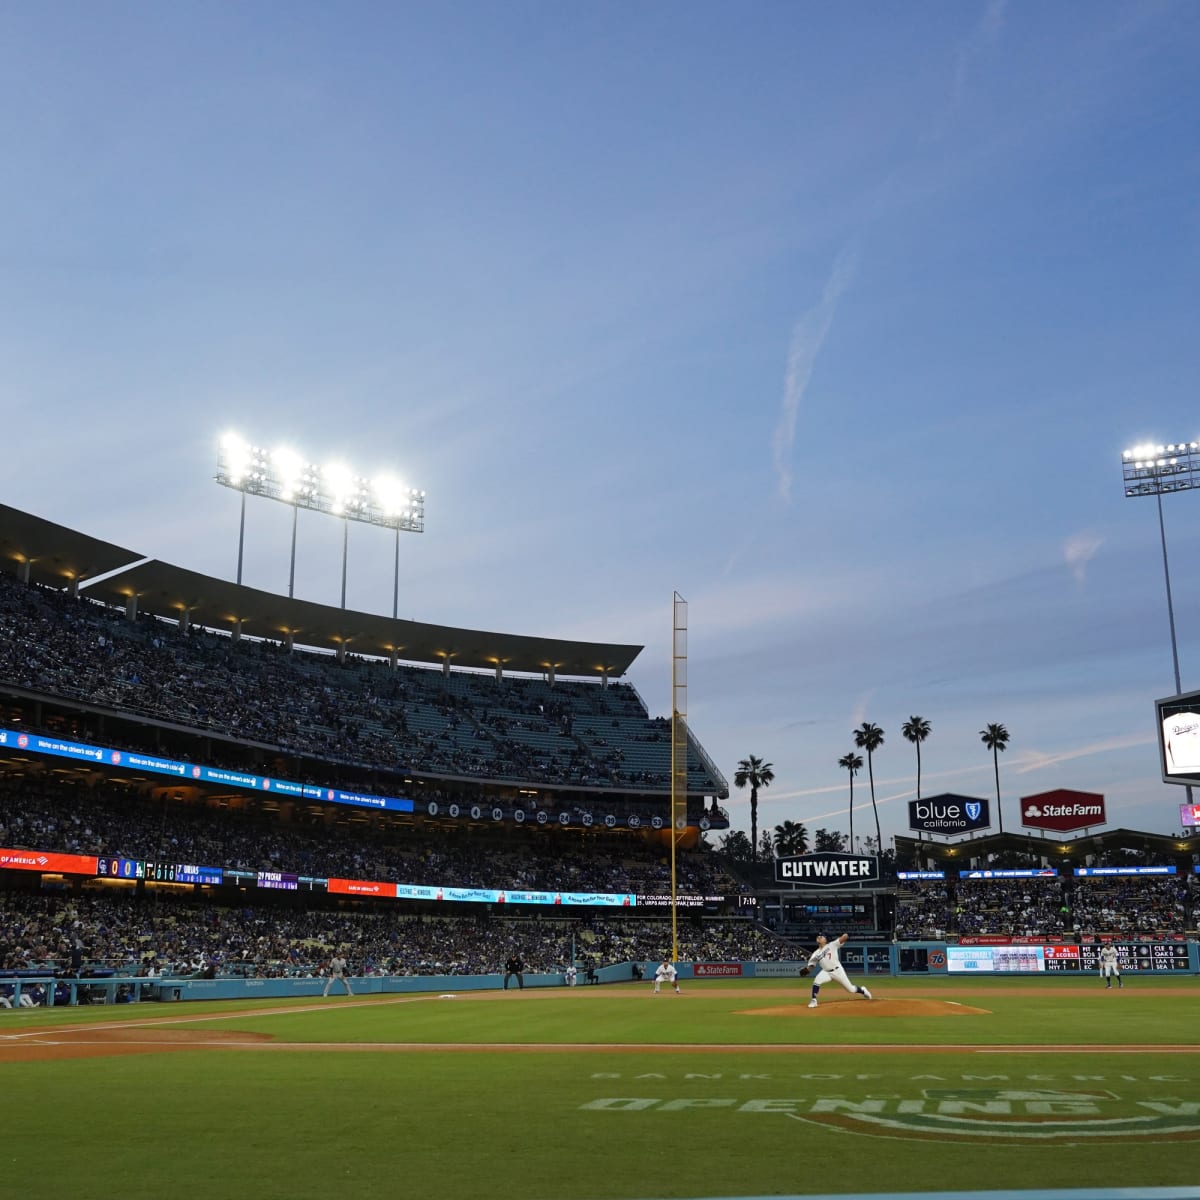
1131 956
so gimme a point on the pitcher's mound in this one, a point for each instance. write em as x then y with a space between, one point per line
870 1008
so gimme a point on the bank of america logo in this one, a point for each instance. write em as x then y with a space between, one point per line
974 808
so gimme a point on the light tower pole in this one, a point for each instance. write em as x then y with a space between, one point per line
1152 470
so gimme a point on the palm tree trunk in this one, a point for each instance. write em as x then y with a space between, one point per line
874 808
851 812
754 823
999 810
919 832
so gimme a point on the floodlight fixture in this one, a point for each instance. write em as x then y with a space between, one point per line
1152 469
284 474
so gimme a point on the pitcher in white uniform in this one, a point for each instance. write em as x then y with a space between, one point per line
827 957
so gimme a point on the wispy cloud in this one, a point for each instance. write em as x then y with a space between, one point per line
1034 760
1079 550
808 335
982 36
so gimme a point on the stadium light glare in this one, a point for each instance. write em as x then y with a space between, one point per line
284 474
289 467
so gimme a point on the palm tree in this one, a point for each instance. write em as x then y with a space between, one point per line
916 730
869 737
853 763
757 774
790 838
995 738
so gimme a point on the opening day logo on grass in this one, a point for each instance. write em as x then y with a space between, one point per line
998 1114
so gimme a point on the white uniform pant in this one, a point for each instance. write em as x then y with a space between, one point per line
1110 971
838 973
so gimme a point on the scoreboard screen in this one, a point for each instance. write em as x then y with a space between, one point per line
1062 958
193 873
279 880
1131 956
1179 737
120 868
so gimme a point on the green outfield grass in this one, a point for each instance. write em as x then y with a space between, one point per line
712 1097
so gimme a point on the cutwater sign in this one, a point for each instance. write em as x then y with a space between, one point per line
827 870
948 814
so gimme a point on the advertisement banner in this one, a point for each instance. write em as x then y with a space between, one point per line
778 970
1160 870
40 860
717 970
969 960
15 739
1062 810
362 887
826 869
949 814
1011 873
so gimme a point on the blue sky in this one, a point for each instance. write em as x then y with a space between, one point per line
833 319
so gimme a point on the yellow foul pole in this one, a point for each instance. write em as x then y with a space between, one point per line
679 746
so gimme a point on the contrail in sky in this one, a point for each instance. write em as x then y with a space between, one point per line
808 334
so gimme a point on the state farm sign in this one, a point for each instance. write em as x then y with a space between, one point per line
1063 810
827 870
714 970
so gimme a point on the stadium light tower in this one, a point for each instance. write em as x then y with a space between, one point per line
283 474
1151 470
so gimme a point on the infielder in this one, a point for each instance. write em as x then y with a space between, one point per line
337 970
1110 969
666 973
826 955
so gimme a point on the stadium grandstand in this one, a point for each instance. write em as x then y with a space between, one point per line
226 752
201 779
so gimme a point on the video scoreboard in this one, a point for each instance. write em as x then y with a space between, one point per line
134 869
279 881
1131 956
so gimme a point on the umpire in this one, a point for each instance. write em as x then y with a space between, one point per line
513 966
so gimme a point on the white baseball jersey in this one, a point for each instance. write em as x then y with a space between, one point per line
827 955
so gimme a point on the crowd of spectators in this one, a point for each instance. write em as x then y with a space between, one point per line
86 932
1048 906
356 711
1137 905
1017 908
127 820
923 911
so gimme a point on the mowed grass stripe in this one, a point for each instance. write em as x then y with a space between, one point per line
461 1125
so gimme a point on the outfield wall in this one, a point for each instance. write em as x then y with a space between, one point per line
906 959
890 959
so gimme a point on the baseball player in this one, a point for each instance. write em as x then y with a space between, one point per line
826 956
666 973
1110 969
337 970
